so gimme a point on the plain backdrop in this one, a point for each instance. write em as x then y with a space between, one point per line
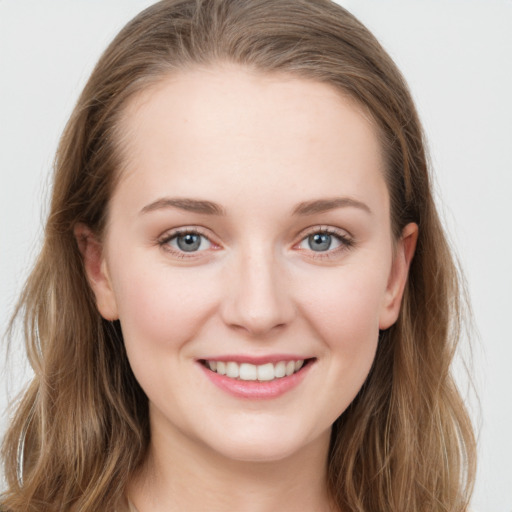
457 58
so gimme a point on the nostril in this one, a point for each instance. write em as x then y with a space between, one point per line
257 301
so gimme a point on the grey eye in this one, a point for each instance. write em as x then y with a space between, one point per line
189 242
320 241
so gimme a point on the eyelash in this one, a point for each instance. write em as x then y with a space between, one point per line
168 237
346 242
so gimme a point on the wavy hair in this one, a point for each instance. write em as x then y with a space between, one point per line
81 428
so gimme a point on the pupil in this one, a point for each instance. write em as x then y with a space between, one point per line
189 242
319 241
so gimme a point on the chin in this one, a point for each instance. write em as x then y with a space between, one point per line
264 444
257 452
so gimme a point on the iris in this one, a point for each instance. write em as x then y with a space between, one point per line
189 242
320 242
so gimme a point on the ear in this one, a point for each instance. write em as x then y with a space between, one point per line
97 272
404 253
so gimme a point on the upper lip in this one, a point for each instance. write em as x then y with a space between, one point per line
256 360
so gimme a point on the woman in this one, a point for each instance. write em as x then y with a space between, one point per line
245 299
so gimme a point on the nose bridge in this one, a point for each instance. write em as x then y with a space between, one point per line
258 299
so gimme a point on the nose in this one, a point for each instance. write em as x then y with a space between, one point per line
257 298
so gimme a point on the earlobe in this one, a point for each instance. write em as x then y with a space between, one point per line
96 270
398 276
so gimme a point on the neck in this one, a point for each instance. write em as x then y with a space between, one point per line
180 474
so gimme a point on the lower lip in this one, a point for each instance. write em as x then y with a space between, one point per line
255 389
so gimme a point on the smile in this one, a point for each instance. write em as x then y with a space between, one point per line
263 381
253 372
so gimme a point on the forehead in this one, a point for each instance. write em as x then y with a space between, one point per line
227 125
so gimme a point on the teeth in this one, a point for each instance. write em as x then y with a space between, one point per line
248 371
266 372
262 372
232 370
221 368
280 369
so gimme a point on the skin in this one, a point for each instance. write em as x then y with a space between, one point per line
258 146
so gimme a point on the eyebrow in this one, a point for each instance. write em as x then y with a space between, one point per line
210 208
189 205
324 205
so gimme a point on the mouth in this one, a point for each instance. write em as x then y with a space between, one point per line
265 372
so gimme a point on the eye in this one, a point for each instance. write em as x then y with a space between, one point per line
323 241
187 242
320 242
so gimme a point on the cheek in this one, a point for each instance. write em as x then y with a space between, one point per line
343 311
346 301
344 308
161 307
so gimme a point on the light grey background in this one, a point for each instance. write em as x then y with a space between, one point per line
457 57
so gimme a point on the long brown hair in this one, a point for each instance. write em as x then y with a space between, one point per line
81 429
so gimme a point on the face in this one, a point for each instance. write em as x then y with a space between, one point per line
249 235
